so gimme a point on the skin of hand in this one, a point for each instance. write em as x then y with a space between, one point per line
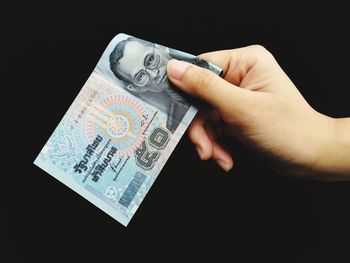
256 102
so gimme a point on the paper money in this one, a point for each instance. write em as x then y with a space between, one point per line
122 127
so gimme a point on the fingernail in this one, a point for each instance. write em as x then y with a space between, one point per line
226 167
176 68
199 151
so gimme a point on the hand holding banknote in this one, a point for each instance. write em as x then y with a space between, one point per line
260 106
121 129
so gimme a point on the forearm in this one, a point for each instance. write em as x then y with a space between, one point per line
334 158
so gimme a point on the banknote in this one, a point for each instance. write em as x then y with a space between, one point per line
122 127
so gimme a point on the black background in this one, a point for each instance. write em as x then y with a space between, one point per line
194 211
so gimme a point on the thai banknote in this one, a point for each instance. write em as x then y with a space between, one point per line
122 127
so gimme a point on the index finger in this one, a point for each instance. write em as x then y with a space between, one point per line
236 63
219 58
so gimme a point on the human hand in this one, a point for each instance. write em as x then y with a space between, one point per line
260 106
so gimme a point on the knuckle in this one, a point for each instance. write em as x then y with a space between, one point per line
262 53
259 48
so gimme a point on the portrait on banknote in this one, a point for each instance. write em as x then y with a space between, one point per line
141 65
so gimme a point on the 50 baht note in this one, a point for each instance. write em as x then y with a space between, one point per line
122 127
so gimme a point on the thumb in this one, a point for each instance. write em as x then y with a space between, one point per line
204 84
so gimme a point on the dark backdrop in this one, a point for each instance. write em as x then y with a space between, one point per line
194 211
